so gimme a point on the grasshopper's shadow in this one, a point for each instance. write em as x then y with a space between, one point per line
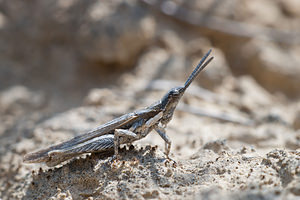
144 157
80 177
77 176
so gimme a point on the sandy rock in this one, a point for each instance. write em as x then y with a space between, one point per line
266 136
214 166
211 168
61 195
149 177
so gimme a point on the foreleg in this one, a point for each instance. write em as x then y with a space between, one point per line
162 132
137 131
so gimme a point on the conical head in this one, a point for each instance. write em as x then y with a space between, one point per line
171 99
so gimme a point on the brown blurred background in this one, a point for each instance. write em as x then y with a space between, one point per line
64 48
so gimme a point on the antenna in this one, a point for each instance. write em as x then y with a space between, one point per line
198 69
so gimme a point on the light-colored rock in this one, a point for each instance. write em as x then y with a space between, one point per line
296 121
274 67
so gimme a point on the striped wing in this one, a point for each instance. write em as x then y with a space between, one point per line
97 144
44 154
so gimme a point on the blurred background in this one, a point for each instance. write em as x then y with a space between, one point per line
62 54
64 48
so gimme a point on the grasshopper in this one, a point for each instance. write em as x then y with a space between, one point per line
123 130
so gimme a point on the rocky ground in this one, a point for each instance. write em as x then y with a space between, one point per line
68 66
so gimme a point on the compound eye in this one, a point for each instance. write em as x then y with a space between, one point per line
175 91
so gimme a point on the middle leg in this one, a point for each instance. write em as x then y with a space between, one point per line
126 134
